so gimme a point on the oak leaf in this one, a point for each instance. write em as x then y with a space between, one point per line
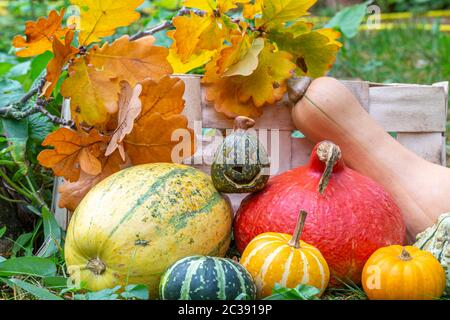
151 138
244 95
100 19
241 58
40 35
73 192
193 62
132 61
276 13
252 9
164 97
62 53
129 109
74 151
315 51
93 93
209 6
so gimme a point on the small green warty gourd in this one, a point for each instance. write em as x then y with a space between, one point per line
436 239
241 164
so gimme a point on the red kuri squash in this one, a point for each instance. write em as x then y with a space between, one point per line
350 217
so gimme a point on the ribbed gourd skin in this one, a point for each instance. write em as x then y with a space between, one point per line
270 260
139 221
206 278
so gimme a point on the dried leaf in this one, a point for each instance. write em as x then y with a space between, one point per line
74 151
40 35
129 109
151 138
93 93
164 97
132 61
63 53
100 19
73 192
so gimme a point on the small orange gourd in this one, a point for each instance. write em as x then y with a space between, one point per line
282 258
403 273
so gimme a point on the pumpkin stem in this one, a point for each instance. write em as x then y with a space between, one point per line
295 241
405 256
243 123
297 88
329 153
96 266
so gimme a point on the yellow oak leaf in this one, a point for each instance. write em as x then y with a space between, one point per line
209 6
129 109
276 12
252 9
74 151
132 61
73 192
62 53
40 35
194 61
101 18
244 95
93 93
187 34
315 51
241 58
151 138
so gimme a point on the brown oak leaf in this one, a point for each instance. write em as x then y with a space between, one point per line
133 61
74 151
40 34
73 192
63 52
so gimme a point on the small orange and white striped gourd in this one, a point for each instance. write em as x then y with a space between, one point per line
282 258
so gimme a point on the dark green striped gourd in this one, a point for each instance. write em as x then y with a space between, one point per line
241 164
206 278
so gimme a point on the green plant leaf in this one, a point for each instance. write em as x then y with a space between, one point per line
349 19
41 293
39 126
16 132
23 242
39 64
2 231
301 292
135 291
52 235
10 91
105 294
55 282
27 266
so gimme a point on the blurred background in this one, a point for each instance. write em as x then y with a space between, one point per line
410 43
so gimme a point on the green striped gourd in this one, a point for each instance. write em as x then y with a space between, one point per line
133 225
436 239
241 164
206 278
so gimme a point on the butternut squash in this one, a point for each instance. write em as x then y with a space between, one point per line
327 110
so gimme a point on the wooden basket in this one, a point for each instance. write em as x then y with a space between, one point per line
415 114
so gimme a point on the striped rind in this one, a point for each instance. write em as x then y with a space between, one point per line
271 260
206 278
142 219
